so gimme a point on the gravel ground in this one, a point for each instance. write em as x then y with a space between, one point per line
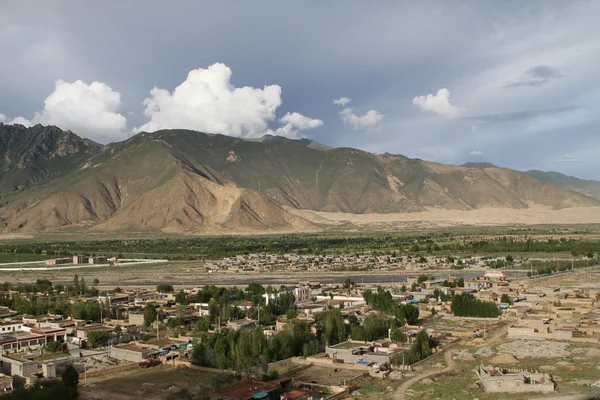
535 349
463 355
484 352
586 351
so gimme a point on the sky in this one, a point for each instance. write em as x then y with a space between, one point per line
509 82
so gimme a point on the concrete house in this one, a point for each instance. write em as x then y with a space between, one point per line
496 380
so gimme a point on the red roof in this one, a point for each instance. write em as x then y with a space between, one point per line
45 332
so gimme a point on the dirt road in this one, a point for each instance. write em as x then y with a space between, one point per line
400 394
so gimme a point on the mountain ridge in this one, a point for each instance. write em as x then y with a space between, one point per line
187 181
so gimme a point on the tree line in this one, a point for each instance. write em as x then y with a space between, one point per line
467 305
218 247
382 300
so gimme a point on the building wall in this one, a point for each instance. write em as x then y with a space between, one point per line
137 319
302 294
18 368
347 356
565 334
509 385
130 355
515 383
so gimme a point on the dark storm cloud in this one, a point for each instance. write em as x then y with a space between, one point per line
537 76
519 115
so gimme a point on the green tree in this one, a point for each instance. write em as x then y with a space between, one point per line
76 284
408 313
348 283
506 299
399 336
467 305
164 288
54 347
203 324
98 338
149 315
181 297
70 376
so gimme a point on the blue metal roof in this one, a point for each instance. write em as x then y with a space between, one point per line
363 362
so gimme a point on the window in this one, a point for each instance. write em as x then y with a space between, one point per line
518 383
499 383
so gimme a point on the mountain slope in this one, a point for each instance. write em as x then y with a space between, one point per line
146 184
187 181
29 156
583 186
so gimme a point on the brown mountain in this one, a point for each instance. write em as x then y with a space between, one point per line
186 181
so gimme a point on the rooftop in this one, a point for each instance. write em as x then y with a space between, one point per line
245 389
348 345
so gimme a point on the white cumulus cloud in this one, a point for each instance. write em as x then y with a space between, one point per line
207 101
14 121
369 122
476 153
438 103
295 122
342 101
91 111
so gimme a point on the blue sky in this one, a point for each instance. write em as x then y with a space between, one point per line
512 82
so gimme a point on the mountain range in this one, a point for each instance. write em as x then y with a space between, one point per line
184 181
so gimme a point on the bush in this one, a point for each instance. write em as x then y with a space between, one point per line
54 347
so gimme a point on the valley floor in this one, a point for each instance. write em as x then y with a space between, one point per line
435 217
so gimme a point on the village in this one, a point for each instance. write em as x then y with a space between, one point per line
356 340
345 262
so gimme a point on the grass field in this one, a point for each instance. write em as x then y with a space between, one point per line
11 257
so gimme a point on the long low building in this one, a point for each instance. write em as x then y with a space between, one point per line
130 353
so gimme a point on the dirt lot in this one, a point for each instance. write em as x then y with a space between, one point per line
574 368
157 383
580 279
324 375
